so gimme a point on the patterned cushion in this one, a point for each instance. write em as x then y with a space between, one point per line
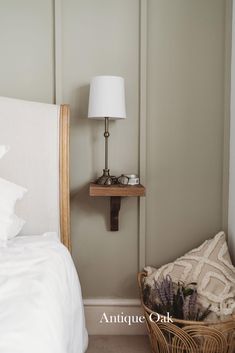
211 268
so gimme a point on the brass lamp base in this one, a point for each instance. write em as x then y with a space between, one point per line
105 179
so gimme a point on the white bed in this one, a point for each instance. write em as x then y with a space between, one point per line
41 308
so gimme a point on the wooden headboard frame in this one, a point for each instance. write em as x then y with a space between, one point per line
64 176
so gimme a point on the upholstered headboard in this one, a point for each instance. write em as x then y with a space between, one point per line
38 136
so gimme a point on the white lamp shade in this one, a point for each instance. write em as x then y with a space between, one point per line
107 98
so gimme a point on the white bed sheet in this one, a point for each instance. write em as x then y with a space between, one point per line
41 308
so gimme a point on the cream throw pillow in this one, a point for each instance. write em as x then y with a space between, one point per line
211 268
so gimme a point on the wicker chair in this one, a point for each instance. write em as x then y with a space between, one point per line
188 336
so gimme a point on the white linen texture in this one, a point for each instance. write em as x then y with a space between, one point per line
10 224
41 309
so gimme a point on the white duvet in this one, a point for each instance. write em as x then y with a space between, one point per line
41 309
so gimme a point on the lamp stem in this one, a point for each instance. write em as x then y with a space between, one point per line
105 178
106 136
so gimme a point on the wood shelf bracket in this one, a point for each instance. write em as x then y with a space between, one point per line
116 192
115 205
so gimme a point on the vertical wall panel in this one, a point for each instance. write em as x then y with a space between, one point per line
102 38
185 125
26 40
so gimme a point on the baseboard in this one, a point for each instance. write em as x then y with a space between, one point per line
114 317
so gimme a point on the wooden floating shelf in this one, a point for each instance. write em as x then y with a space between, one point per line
115 192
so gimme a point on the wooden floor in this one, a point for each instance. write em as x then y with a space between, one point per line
118 344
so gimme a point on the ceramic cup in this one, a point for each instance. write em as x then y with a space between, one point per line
129 179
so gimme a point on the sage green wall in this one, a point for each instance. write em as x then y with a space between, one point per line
27 49
184 131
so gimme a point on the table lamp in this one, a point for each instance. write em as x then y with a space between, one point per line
106 101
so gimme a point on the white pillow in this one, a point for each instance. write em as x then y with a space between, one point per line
10 224
3 150
9 194
10 227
